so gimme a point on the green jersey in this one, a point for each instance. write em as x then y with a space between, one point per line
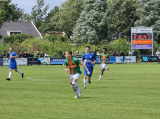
84 52
104 58
73 65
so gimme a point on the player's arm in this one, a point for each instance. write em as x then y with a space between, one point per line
14 56
94 60
83 58
108 59
99 58
66 69
85 68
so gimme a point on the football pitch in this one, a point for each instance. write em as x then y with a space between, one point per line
126 91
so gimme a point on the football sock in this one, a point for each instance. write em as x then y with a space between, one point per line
19 72
75 87
100 76
106 68
10 73
84 81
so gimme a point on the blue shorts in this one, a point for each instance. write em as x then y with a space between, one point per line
13 65
90 70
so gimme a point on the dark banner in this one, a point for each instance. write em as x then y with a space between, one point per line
150 59
1 61
57 60
33 61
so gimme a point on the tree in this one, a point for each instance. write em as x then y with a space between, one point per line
65 20
149 13
92 26
121 19
12 12
37 13
47 25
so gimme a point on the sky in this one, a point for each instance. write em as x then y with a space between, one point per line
28 4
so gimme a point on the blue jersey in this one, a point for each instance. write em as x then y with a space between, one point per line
88 58
12 59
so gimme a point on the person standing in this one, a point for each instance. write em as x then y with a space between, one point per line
3 55
13 64
24 54
32 55
20 55
28 54
105 59
73 63
42 54
90 60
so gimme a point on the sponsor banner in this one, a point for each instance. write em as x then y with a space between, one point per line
125 59
150 59
141 42
57 60
33 61
141 46
20 61
6 61
1 61
44 60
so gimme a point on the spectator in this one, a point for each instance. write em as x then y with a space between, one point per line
114 53
121 54
134 53
157 52
28 54
98 53
78 53
32 55
118 54
3 55
8 55
20 55
42 54
72 53
63 54
24 54
46 54
37 54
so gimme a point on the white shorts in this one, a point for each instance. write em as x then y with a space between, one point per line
75 76
103 66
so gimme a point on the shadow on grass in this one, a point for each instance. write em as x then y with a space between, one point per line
84 97
98 87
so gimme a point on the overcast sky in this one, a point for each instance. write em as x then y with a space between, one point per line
28 4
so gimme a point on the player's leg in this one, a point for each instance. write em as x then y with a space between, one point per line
10 74
85 77
103 66
75 85
19 72
89 77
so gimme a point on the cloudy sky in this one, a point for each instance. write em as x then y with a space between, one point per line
28 4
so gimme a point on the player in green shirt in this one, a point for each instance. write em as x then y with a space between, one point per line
73 64
104 59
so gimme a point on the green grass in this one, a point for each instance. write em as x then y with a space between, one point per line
126 91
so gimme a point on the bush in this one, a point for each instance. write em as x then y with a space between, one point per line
17 37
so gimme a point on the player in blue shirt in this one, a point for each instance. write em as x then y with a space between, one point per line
13 63
89 59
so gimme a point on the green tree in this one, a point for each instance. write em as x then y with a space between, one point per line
38 12
149 13
121 17
92 26
46 24
65 20
12 12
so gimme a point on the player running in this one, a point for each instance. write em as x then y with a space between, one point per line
89 59
13 63
73 64
105 59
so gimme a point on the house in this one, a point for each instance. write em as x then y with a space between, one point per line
8 28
